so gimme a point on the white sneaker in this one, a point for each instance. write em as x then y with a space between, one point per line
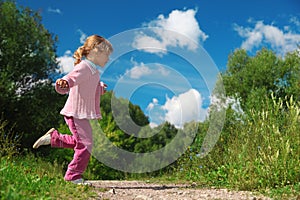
81 182
44 140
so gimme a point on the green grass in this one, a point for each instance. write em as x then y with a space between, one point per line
32 178
259 152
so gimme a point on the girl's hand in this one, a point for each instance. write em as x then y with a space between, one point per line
104 88
62 83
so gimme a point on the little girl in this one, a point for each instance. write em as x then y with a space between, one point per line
83 103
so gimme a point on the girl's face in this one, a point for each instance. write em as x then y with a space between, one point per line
102 58
98 56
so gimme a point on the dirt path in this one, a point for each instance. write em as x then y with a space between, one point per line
138 190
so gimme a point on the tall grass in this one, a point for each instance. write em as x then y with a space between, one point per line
260 152
9 142
265 150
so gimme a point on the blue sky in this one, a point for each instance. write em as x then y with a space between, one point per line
164 80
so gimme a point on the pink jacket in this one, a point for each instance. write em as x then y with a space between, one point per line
84 91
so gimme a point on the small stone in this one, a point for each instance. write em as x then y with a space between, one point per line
194 184
112 191
141 197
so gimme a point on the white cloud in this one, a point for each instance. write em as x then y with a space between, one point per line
66 62
141 70
156 113
83 36
152 104
138 71
184 108
178 110
149 44
183 22
281 41
54 10
295 21
155 101
273 35
163 71
179 28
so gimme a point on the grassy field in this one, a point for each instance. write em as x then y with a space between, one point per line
31 178
259 153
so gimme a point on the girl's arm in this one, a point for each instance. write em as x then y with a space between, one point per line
76 76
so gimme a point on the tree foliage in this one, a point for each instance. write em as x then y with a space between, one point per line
116 126
27 58
251 78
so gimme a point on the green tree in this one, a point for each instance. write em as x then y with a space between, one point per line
254 78
27 59
121 120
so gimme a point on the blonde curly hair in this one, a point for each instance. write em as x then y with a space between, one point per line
90 43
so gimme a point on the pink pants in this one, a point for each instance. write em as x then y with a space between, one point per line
81 141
